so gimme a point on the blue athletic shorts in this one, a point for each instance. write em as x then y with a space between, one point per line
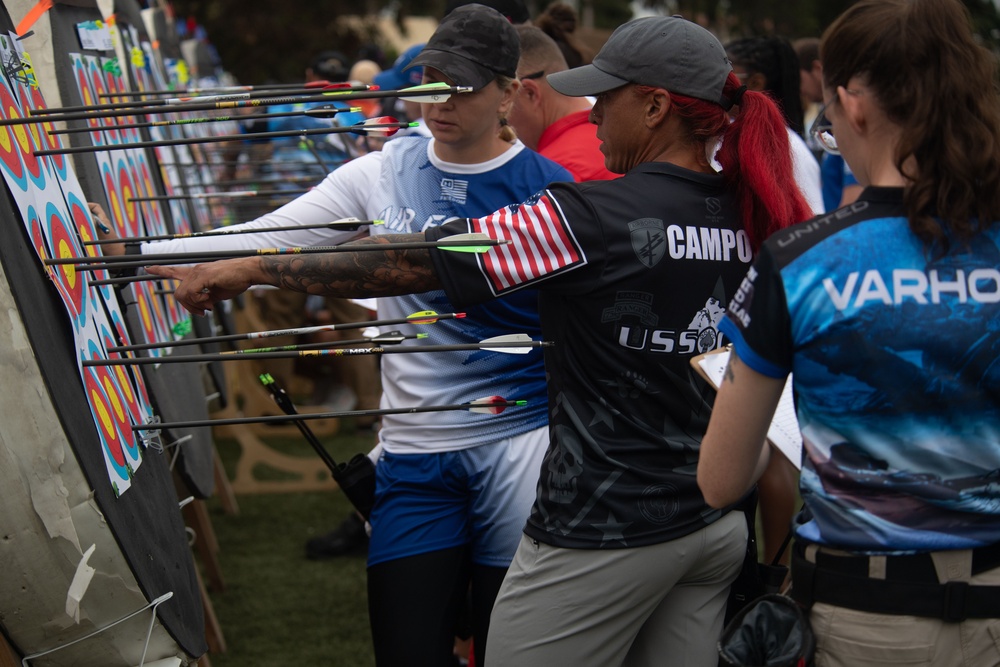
479 496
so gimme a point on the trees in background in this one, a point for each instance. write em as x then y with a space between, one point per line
263 40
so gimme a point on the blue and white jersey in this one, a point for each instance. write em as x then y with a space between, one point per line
895 354
406 185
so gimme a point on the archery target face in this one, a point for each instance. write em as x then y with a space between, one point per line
10 156
38 240
67 279
142 397
121 373
49 141
107 430
117 212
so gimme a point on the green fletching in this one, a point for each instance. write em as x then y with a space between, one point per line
183 327
111 66
466 248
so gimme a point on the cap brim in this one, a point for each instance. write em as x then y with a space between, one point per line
583 81
461 70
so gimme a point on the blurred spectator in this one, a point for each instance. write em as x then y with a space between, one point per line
328 66
769 64
839 185
364 72
401 75
555 125
559 22
515 10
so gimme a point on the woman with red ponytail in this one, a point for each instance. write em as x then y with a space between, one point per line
621 561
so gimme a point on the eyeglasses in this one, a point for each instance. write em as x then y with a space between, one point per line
535 75
822 130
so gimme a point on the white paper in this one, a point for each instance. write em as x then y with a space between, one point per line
79 585
164 662
95 35
784 431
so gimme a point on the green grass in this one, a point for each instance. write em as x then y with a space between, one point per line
279 608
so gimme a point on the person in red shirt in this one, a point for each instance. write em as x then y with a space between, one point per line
549 122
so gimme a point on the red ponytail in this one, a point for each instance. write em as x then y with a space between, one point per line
755 156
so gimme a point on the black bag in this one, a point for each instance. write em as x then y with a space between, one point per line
772 631
356 479
755 578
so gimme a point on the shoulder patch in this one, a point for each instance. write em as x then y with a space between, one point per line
541 243
648 240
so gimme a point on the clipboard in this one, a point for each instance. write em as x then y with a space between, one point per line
783 433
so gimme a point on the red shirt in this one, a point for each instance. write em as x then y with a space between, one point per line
572 142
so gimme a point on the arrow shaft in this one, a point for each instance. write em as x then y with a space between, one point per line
341 352
178 101
124 280
255 351
48 115
280 419
343 226
218 90
223 195
214 139
262 180
113 262
298 331
188 121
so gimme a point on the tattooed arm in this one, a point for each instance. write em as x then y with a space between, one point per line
734 452
370 273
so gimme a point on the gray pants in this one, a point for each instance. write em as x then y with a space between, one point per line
656 605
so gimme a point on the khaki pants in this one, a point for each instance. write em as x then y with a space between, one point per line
654 606
849 638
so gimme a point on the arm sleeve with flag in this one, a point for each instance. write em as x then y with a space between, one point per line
554 239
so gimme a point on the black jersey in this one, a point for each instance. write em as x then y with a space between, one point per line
633 276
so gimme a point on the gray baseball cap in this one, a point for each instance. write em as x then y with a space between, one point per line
471 46
661 51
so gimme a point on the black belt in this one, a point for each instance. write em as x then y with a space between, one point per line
910 587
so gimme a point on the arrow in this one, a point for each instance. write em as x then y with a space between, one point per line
388 338
234 194
125 280
178 101
381 126
429 93
475 243
508 344
493 405
257 180
423 317
326 111
219 89
344 224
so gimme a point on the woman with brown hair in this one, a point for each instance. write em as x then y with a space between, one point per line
887 313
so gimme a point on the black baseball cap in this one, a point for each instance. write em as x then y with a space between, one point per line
471 46
331 65
662 51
